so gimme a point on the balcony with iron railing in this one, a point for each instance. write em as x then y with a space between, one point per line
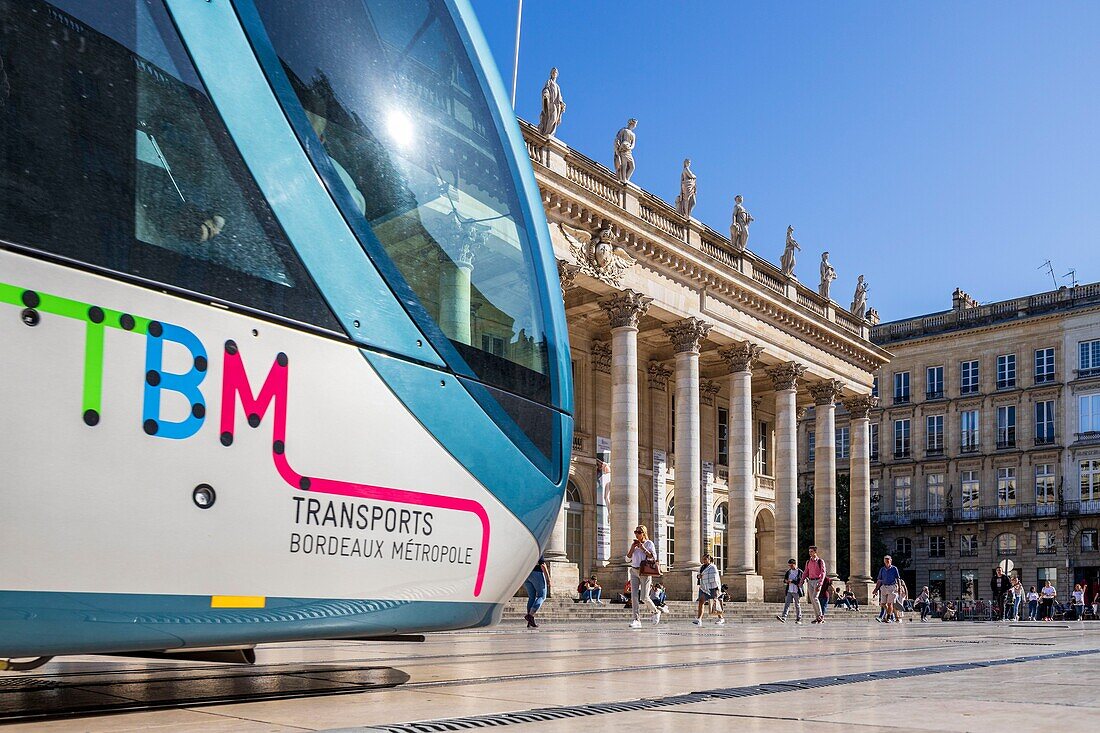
901 399
1045 439
934 451
932 395
1089 436
1046 550
1087 373
968 389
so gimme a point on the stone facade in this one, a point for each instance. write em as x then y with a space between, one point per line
1001 432
690 362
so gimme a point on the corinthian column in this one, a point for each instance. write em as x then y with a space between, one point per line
825 394
785 381
685 336
454 282
623 312
859 579
744 583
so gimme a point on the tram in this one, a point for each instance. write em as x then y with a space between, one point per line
282 350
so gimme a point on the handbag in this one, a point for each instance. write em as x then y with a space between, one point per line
649 567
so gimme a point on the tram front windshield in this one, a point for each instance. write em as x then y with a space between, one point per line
388 90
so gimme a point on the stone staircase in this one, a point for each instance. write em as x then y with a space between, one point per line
561 609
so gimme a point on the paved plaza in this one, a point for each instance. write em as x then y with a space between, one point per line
756 676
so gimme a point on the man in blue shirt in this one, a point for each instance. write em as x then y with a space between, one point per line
886 585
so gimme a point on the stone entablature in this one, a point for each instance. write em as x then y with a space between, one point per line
585 196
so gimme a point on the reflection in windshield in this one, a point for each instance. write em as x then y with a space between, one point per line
389 91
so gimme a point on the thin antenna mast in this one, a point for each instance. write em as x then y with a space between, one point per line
515 61
1072 275
1049 268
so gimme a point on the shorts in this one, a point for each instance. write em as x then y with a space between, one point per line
887 594
708 595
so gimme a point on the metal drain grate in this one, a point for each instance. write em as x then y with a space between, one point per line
769 688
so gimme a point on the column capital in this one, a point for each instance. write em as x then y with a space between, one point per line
659 375
707 391
625 309
740 357
826 391
686 334
567 274
785 376
860 406
601 357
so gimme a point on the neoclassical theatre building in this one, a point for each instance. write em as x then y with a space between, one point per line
692 360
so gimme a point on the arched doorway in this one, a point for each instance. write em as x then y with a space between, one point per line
574 527
765 551
670 532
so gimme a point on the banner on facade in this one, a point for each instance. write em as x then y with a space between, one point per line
706 478
603 500
657 531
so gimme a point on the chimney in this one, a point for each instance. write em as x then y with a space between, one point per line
962 301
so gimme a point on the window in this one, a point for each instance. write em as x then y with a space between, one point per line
1006 545
1089 540
1044 365
901 388
1006 371
903 493
574 526
1088 413
876 495
1089 362
968 544
115 156
1044 422
969 377
874 387
933 377
1046 542
937 546
670 532
721 522
970 430
762 438
1045 574
935 492
842 443
812 444
968 584
492 344
723 436
901 439
874 441
971 489
933 434
937 584
1044 483
1090 479
903 547
1006 426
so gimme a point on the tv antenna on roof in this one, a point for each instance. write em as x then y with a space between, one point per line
1049 268
1072 275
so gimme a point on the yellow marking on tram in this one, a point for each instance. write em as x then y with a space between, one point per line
238 601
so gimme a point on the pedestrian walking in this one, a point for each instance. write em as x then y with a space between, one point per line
1079 602
793 579
537 586
814 573
823 596
1032 604
924 604
1000 585
886 585
1096 605
710 585
641 552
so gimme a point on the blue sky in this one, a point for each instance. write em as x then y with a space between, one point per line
926 145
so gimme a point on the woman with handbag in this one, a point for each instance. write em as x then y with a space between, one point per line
642 556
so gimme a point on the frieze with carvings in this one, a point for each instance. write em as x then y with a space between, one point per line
567 274
601 357
597 254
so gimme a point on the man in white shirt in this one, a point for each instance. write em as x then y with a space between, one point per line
793 580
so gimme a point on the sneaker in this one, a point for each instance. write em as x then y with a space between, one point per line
697 621
635 624
799 622
782 619
720 622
